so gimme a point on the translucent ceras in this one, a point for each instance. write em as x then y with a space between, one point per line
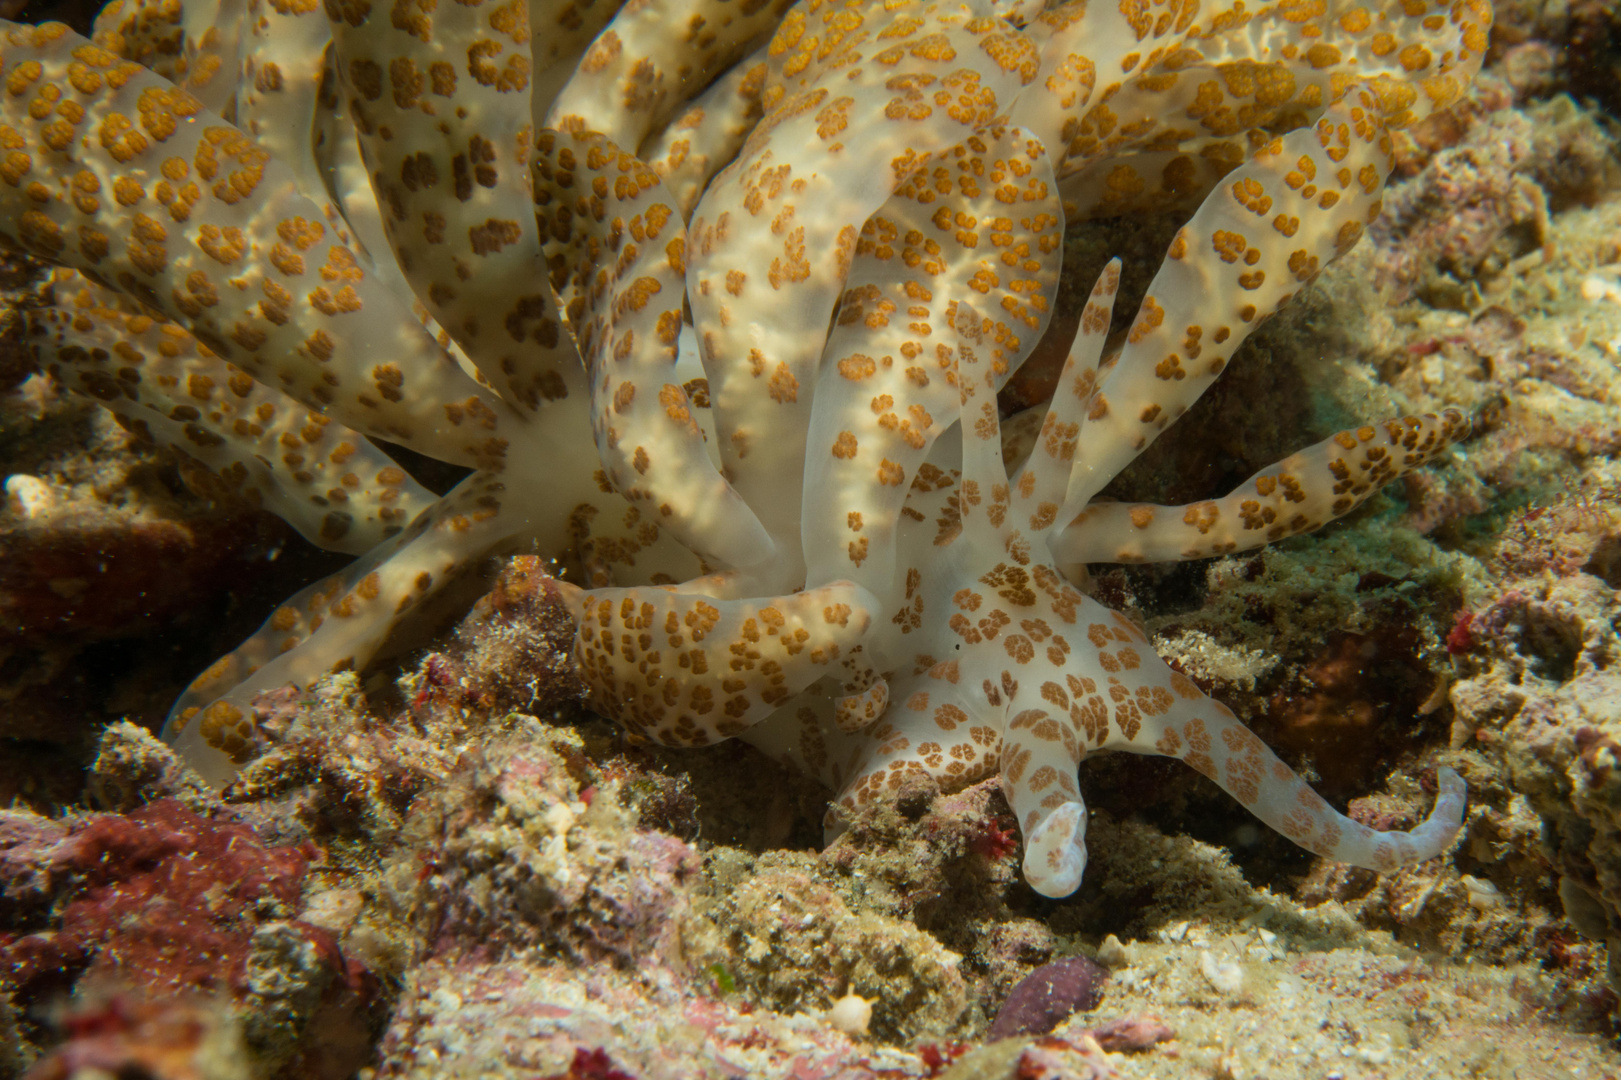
715 299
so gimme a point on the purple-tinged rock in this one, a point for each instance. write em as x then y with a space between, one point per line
1047 996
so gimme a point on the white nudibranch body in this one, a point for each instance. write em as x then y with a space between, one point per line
723 317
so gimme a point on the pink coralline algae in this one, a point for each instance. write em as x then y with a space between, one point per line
1131 1033
193 883
167 903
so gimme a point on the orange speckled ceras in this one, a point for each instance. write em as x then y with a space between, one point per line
715 297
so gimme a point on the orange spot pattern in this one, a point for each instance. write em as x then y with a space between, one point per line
725 396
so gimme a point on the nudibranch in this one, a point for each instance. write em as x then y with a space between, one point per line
715 298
